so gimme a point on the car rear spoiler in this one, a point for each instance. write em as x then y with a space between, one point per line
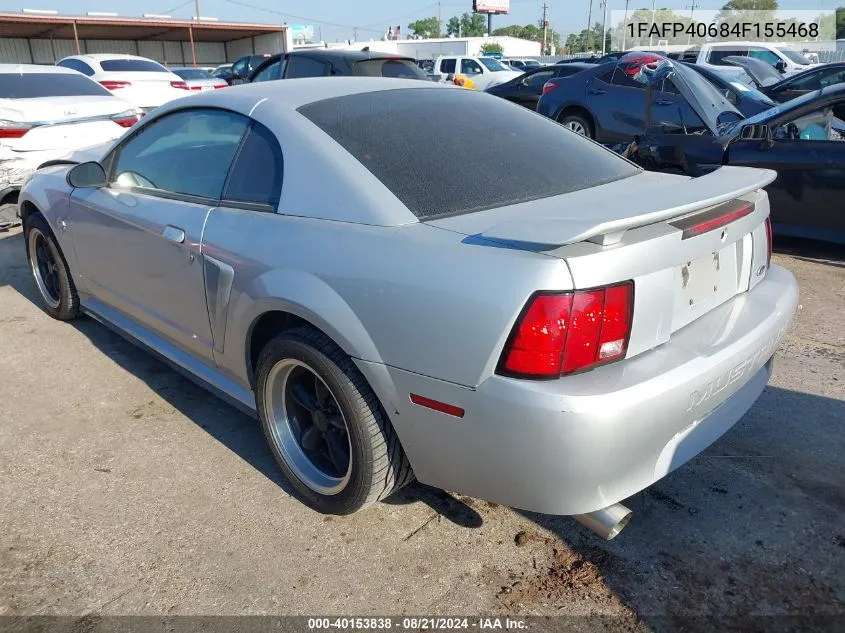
655 205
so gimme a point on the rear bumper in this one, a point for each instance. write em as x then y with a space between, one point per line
581 443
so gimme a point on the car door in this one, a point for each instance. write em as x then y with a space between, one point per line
138 240
618 104
808 196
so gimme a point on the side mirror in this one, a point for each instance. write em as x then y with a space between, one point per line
90 175
781 66
525 82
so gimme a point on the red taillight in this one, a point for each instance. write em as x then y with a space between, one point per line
196 88
549 86
180 85
128 118
769 240
700 223
13 132
570 332
115 85
219 86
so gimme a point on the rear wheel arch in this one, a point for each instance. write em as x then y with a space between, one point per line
577 111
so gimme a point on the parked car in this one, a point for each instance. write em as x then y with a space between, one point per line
47 112
802 140
744 96
324 63
144 83
579 327
780 56
527 88
224 72
483 71
199 80
245 66
522 65
773 84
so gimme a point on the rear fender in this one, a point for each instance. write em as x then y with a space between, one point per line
301 294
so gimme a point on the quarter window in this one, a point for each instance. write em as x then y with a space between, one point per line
256 176
77 65
187 152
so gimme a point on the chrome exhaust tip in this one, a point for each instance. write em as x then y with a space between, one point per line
607 522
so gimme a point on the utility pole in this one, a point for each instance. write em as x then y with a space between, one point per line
589 27
625 25
545 25
197 3
692 6
604 28
355 34
653 14
489 24
439 20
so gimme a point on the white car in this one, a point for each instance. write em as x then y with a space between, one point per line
144 83
46 113
199 80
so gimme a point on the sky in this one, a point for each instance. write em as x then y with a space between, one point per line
337 19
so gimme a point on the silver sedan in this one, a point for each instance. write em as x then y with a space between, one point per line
510 312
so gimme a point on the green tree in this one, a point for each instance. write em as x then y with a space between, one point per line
750 5
492 47
531 32
840 23
637 31
427 27
468 25
740 12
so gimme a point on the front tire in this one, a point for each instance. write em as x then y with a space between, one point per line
325 426
49 270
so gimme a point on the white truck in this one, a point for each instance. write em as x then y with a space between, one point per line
484 71
785 59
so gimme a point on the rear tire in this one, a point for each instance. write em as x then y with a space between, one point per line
578 124
49 270
325 426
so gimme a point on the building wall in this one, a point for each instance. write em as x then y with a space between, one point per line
45 51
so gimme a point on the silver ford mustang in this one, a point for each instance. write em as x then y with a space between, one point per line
508 311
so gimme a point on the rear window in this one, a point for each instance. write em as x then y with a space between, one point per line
131 66
396 68
483 152
34 85
191 73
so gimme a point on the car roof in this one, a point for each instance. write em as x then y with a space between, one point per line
581 65
102 56
347 55
34 68
295 94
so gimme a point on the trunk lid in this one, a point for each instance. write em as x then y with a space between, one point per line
637 229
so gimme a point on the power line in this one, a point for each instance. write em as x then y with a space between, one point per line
299 17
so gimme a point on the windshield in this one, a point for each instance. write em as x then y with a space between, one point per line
34 85
132 65
192 73
795 56
794 104
493 65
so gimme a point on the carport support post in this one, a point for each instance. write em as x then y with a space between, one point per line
76 39
193 50
489 25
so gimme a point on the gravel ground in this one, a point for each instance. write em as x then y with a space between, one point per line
125 489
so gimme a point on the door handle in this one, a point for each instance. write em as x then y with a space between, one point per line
663 102
174 234
597 91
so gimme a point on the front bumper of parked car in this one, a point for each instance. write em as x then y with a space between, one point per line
584 442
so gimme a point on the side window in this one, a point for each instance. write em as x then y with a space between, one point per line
622 78
270 73
240 68
606 76
77 65
470 67
538 80
300 66
256 175
447 66
717 55
765 55
815 126
186 152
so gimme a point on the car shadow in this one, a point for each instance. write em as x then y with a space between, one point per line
814 251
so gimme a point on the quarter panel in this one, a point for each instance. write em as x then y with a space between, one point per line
420 298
